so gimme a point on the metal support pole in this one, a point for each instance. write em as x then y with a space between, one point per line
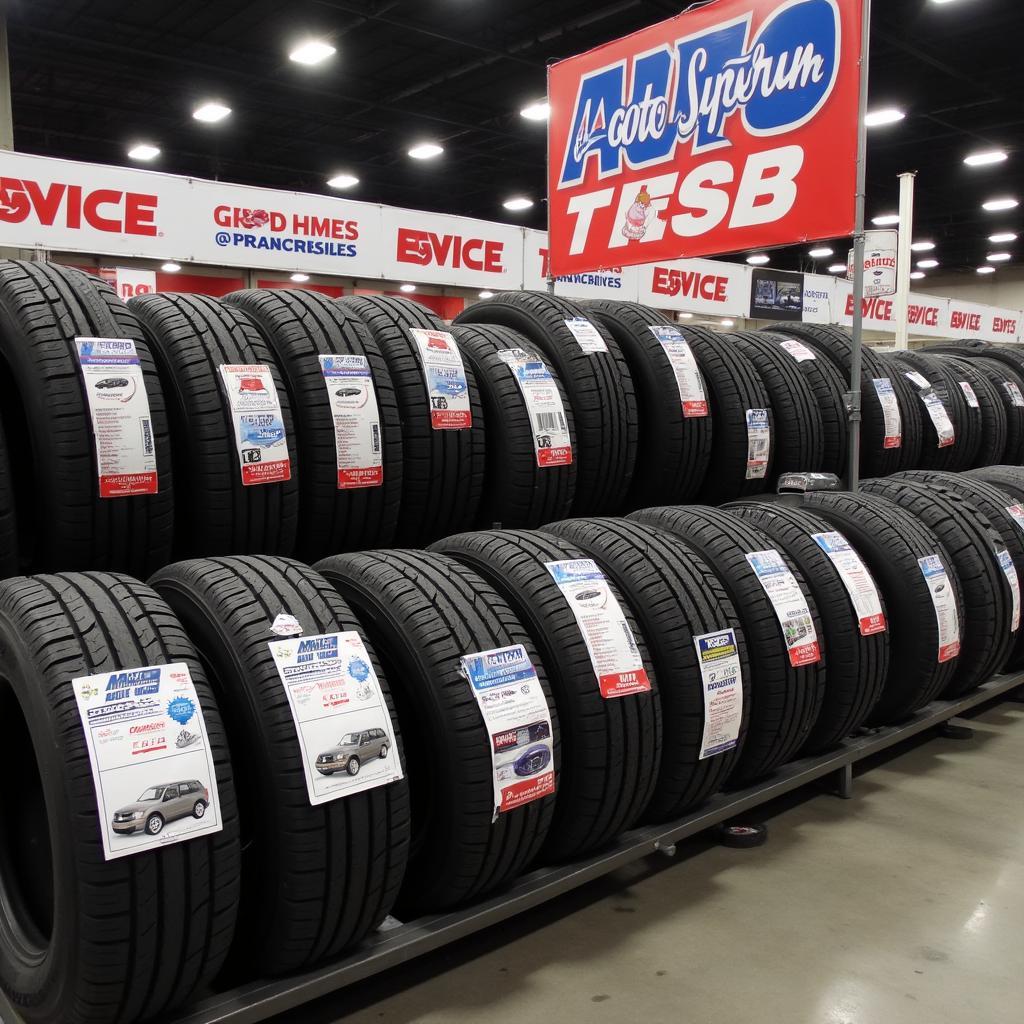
6 117
903 258
854 397
844 782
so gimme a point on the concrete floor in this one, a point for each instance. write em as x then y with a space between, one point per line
902 906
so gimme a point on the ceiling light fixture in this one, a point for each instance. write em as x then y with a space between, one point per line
312 51
407 288
999 257
1003 236
728 323
143 151
486 294
342 181
922 246
425 151
758 260
986 270
211 112
837 268
916 275
517 203
927 264
538 111
820 254
886 220
170 267
300 277
985 157
685 316
884 116
995 205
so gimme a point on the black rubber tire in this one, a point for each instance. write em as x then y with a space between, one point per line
857 665
834 343
8 519
443 473
423 612
518 494
1002 377
1009 479
991 410
966 421
747 836
611 749
829 390
315 879
1009 355
735 387
85 940
675 596
62 521
785 700
799 431
599 387
192 336
890 540
674 450
299 326
973 544
993 504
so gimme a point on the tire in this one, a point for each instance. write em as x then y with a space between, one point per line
518 493
599 387
857 664
134 937
674 450
8 522
785 700
799 431
890 540
991 410
675 597
300 326
736 388
422 613
973 545
612 748
1009 355
155 824
829 390
1004 379
993 504
1009 479
966 420
199 810
192 337
443 472
876 460
315 879
63 522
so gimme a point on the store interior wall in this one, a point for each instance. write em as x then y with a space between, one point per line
1004 288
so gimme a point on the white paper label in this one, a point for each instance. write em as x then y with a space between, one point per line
972 398
890 412
689 381
518 722
722 677
1010 570
790 606
1014 392
353 400
587 335
800 352
759 444
286 625
919 379
944 599
551 441
613 651
122 428
150 754
445 377
345 735
259 428
1017 511
944 430
857 578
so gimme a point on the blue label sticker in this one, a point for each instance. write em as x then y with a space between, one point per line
181 710
358 669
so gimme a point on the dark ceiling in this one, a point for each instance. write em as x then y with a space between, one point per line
91 76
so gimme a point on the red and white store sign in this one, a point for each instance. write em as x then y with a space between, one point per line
130 281
613 283
698 286
730 127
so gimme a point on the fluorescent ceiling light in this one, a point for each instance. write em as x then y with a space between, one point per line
407 288
685 316
143 151
922 246
728 323
342 181
536 111
916 275
170 267
312 51
985 157
517 203
211 111
927 264
886 115
886 220
986 270
820 254
995 205
300 277
425 151
759 260
486 295
1003 236
999 257
837 268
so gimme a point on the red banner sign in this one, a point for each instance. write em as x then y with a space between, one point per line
730 127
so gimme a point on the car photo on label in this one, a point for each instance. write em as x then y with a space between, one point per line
352 751
160 805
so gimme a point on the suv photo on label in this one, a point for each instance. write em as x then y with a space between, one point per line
160 805
352 751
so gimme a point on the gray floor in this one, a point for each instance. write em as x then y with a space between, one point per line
903 905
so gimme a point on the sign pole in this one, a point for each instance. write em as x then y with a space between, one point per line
854 396
903 259
547 180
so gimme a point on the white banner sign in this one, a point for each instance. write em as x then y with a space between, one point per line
698 286
616 283
129 282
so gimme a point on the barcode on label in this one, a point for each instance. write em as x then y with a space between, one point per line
553 421
147 437
375 438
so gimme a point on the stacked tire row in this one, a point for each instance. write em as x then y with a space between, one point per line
664 656
284 422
